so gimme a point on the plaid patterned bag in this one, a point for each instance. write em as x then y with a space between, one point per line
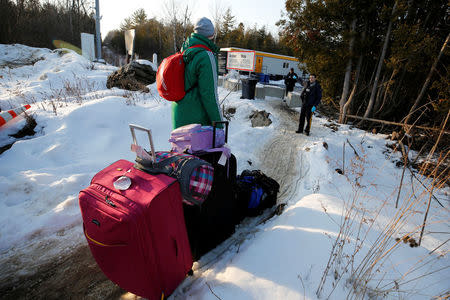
194 174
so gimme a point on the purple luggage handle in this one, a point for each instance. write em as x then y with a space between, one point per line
224 150
214 124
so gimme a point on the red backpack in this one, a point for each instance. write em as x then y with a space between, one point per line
170 76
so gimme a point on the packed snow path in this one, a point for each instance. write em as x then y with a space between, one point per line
77 275
282 158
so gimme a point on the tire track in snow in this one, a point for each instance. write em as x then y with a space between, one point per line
282 158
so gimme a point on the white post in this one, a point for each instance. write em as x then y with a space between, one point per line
155 59
88 46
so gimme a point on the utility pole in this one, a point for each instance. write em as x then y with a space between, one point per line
97 30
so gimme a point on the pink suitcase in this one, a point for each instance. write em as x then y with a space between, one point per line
195 137
137 235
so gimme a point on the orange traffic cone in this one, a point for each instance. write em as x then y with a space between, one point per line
8 115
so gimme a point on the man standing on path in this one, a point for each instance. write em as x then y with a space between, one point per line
311 96
289 81
200 105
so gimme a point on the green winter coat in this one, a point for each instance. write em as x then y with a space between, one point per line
200 105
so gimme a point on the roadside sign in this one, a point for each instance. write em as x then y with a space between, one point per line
241 60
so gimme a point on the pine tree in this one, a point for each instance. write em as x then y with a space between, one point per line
139 17
226 27
237 36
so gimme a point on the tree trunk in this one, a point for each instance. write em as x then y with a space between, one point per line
427 81
70 20
348 72
355 86
159 39
388 87
186 21
380 64
217 11
174 33
398 86
171 12
359 70
367 94
381 88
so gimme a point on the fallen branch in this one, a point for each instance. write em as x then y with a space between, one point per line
397 124
354 150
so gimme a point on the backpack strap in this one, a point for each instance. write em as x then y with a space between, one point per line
196 46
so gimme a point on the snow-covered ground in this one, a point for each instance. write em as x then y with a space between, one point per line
336 236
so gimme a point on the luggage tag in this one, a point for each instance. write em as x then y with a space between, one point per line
124 182
225 155
141 152
223 159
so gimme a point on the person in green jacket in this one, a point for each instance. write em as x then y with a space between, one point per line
200 105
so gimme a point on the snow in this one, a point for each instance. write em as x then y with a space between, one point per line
83 127
148 63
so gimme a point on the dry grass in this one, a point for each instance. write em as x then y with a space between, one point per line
365 265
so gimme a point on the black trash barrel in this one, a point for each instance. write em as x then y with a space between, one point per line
248 88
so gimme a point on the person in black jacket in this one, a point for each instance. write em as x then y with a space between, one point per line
289 81
311 96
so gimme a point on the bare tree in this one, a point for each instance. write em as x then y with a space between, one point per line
380 64
217 11
186 20
348 71
355 86
427 81
171 11
388 89
357 76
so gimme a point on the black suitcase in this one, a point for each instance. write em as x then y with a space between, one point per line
213 222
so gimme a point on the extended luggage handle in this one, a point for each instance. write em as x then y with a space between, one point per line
149 133
214 123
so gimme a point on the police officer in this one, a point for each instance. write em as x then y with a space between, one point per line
290 80
311 96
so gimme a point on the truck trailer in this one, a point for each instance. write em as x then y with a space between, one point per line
245 60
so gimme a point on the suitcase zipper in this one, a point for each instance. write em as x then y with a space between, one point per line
98 243
107 200
98 195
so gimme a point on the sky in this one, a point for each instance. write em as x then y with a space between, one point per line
82 127
262 12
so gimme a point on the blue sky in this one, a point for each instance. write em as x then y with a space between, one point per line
261 12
